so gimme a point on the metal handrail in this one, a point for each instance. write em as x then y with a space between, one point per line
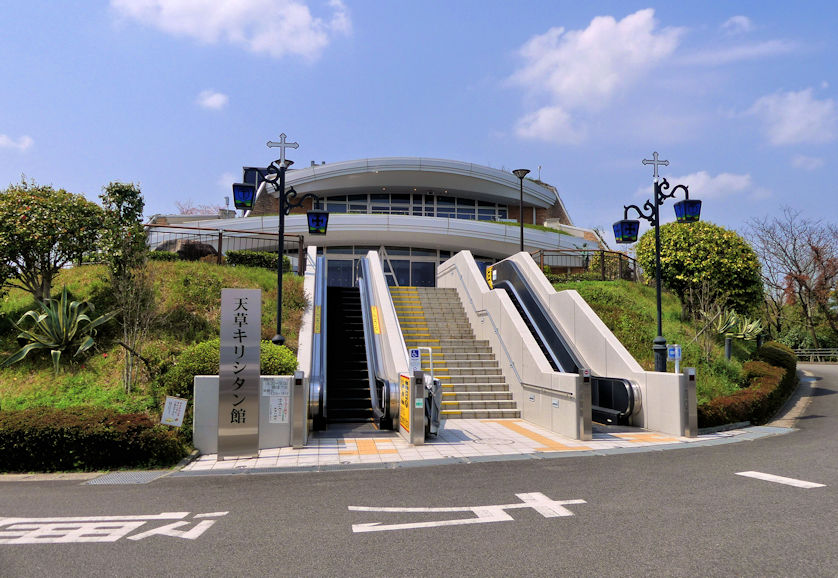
814 354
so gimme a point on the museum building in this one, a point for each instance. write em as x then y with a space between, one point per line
416 212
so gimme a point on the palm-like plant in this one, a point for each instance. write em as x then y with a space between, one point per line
60 324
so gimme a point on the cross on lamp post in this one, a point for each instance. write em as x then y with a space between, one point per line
276 171
625 231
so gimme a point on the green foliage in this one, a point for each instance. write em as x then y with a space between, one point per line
755 403
196 287
780 355
699 254
123 235
41 230
83 438
263 259
163 256
203 358
60 325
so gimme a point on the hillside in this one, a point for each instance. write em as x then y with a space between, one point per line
629 310
188 296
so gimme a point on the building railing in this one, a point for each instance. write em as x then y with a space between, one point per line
588 264
217 242
821 355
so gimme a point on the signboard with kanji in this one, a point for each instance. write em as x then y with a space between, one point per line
173 411
238 373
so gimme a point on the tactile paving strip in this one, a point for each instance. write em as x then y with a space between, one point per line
127 478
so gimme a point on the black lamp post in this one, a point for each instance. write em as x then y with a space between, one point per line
521 173
625 231
276 171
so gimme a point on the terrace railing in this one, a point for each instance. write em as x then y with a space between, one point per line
587 264
217 242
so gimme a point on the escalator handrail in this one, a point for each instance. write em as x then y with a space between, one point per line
317 380
373 349
546 325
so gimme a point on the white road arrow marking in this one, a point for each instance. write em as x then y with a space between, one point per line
484 514
781 480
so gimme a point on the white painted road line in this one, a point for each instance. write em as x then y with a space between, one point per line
781 480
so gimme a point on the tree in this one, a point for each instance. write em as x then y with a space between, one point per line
800 269
125 247
41 230
704 264
188 207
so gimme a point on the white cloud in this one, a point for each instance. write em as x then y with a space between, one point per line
806 163
730 54
21 144
551 123
796 117
738 25
585 69
702 185
273 27
212 100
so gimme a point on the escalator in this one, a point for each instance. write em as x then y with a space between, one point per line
614 400
349 399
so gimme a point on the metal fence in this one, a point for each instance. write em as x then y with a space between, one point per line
822 355
586 264
206 241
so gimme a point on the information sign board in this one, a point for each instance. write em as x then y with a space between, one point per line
404 402
173 411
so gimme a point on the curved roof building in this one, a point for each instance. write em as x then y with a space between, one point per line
416 212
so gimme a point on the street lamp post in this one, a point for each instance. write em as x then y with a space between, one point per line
276 171
625 231
521 173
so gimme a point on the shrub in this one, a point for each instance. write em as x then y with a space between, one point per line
163 256
84 438
755 403
194 250
203 359
780 355
264 259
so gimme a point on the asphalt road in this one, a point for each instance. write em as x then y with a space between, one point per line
681 512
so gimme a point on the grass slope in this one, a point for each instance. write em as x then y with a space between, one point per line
188 297
629 310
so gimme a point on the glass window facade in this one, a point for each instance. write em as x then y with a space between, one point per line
415 204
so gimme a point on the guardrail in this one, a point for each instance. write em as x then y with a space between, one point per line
216 242
588 264
822 355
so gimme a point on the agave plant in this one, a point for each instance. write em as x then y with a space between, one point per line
60 324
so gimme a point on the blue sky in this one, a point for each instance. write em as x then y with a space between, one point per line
177 95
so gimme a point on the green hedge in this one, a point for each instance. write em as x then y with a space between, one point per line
163 256
264 259
756 403
203 359
780 355
84 438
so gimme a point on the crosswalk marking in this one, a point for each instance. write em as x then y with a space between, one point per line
781 480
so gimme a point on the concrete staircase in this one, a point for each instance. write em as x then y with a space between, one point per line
472 383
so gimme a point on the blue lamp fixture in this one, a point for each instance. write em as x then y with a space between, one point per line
317 222
243 195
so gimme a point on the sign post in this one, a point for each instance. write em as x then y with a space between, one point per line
238 373
673 353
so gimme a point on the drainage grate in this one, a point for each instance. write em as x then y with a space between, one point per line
127 477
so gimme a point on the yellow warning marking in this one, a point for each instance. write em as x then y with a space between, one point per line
645 437
317 319
549 444
366 448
